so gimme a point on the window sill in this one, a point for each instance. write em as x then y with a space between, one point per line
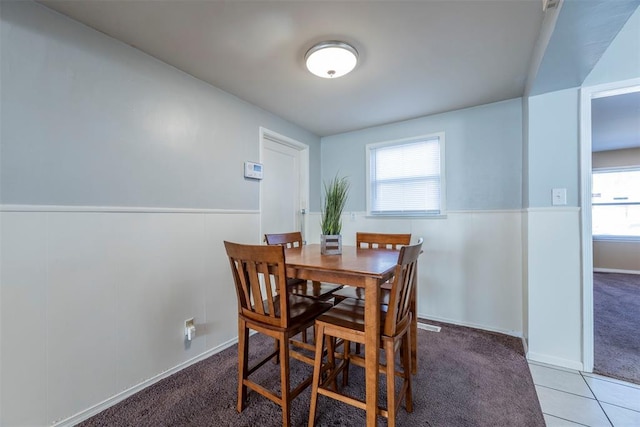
604 238
407 216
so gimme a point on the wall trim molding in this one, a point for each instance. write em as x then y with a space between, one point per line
554 209
517 334
364 214
615 270
120 209
483 211
555 361
105 404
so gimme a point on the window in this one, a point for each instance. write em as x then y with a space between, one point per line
406 177
615 202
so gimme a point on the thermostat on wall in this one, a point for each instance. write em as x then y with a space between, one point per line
252 170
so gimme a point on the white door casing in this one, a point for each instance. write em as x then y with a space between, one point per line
587 94
284 188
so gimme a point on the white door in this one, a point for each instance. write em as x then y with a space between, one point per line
283 191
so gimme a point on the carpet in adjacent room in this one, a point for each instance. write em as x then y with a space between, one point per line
616 314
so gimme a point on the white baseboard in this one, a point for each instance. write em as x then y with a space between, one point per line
615 270
96 409
470 325
555 361
120 209
427 327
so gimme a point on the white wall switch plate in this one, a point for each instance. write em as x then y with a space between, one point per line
559 196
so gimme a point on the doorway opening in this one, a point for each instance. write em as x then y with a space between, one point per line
597 318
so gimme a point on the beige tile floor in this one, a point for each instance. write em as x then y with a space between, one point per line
574 398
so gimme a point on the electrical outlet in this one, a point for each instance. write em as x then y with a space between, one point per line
190 328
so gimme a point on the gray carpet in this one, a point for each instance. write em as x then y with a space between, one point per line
466 377
616 306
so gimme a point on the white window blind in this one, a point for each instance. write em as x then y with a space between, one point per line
616 203
405 177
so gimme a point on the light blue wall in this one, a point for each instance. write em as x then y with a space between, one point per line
483 155
553 148
87 120
621 61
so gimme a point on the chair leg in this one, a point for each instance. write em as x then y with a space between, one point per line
243 364
345 373
284 379
331 358
391 382
414 332
304 335
407 368
317 367
276 348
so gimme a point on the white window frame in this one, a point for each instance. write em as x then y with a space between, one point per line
443 189
610 237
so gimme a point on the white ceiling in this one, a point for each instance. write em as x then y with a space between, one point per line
581 34
615 122
416 58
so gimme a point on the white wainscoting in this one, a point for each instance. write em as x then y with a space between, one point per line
471 270
93 302
555 286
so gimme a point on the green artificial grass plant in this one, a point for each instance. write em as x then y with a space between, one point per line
335 197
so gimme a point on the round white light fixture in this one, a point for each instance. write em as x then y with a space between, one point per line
331 59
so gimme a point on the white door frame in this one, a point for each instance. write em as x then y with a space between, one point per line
303 170
586 95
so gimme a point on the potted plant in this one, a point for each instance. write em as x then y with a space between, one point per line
335 197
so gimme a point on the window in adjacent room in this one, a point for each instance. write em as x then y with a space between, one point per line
406 177
616 203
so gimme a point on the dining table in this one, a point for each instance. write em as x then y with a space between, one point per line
362 268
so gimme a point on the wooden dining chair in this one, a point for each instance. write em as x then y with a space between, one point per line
304 288
264 305
346 321
382 240
373 241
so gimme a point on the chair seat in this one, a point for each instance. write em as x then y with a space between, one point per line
350 314
351 292
313 290
301 310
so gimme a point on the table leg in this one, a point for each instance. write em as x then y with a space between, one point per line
372 344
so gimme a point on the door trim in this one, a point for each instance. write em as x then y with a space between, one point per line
266 134
586 95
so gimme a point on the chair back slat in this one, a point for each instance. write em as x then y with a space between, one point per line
260 280
404 280
382 240
288 240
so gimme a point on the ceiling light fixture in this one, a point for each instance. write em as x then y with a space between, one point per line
331 59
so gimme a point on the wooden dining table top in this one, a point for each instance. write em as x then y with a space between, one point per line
348 268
